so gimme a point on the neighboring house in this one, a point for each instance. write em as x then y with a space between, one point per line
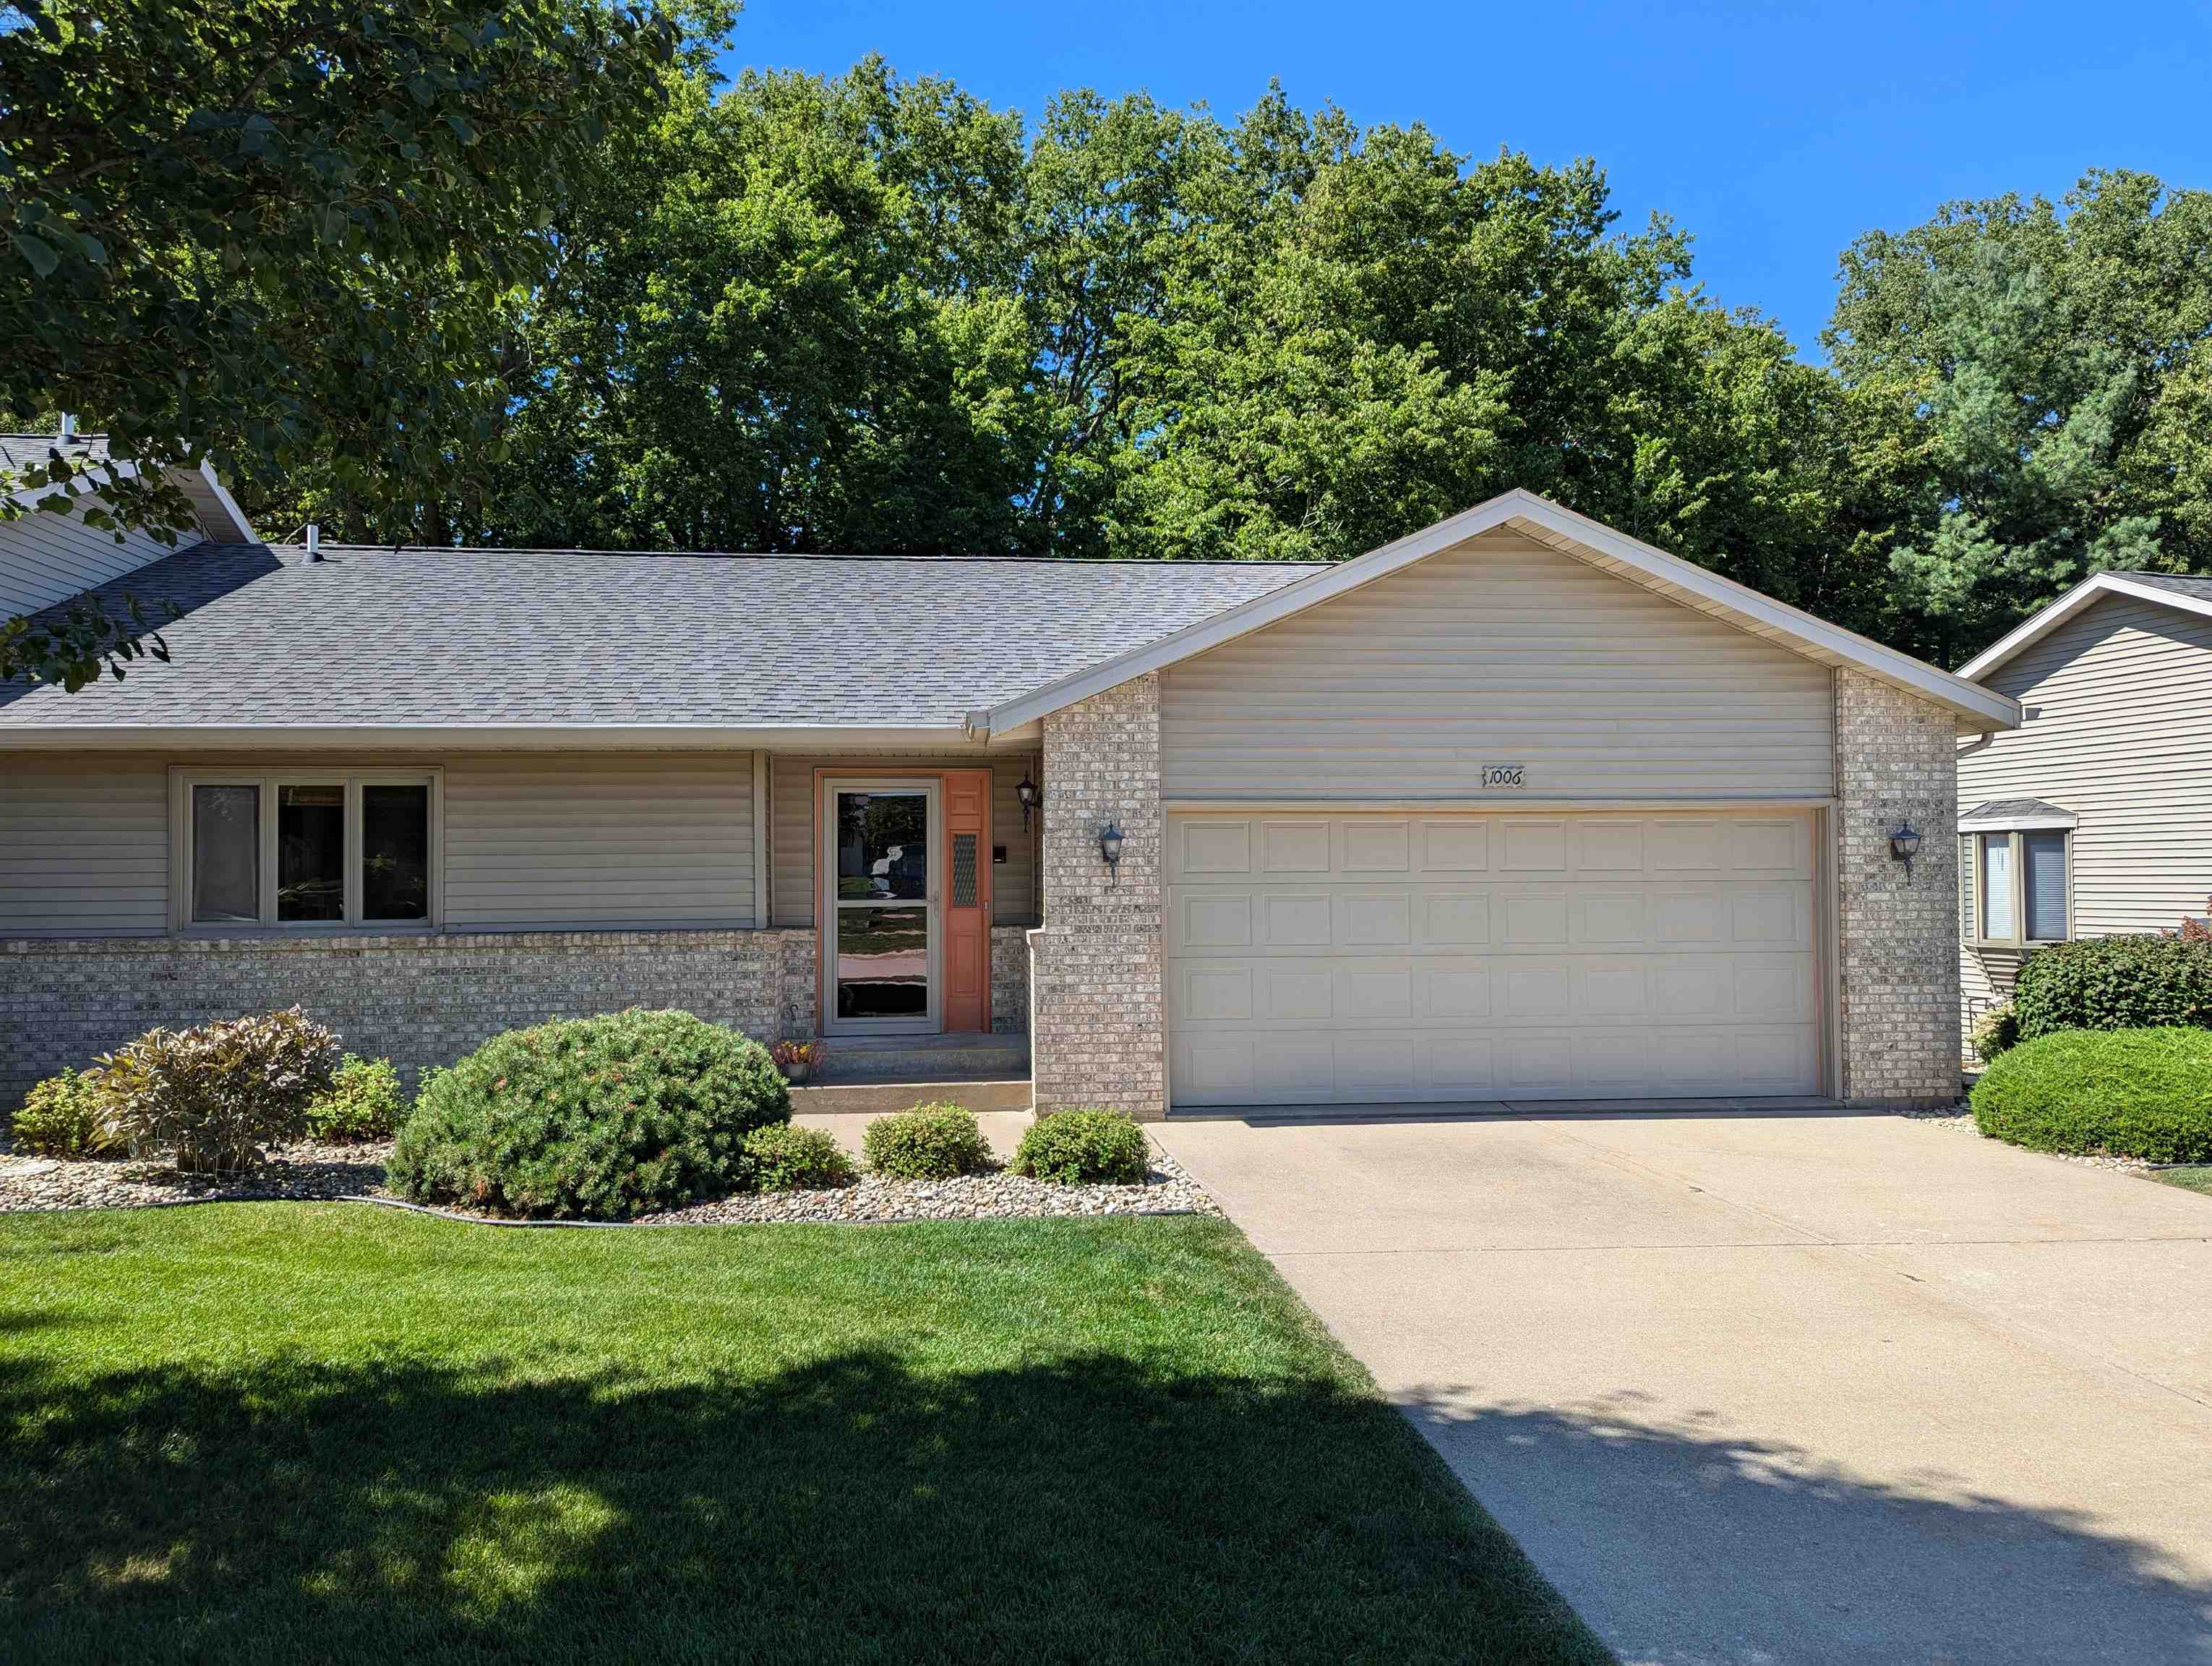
46 558
1514 808
2094 817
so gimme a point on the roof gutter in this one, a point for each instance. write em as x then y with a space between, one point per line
475 736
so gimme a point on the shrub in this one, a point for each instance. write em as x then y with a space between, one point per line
2115 984
2144 1093
601 1118
65 1115
1084 1147
930 1142
364 1102
211 1097
786 1157
1996 1031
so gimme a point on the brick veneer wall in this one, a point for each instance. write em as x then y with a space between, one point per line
416 1000
1100 1035
1896 760
1010 980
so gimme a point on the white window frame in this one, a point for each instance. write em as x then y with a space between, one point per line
2020 941
183 779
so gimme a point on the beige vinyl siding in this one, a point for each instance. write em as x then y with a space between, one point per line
661 840
2122 738
1503 651
790 827
533 842
46 558
84 848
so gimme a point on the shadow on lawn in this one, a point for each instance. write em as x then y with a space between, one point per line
847 1510
1687 1541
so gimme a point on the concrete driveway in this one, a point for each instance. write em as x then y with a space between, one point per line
1779 1388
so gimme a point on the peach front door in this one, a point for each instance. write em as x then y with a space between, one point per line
967 1004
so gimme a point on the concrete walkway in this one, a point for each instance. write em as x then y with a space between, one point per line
1779 1388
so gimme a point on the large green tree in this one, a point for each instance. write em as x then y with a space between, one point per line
2029 385
281 232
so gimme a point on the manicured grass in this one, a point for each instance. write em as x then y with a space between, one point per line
281 1432
2197 1177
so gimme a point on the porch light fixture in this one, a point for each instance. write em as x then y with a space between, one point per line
1030 798
1110 847
1904 846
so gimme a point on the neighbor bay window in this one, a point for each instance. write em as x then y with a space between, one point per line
308 849
2014 886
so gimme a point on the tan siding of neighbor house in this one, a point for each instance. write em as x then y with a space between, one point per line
790 827
46 558
533 842
2122 738
1503 651
84 847
596 842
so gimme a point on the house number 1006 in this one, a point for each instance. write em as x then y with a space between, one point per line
1505 775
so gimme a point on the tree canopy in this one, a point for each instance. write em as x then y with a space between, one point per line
871 313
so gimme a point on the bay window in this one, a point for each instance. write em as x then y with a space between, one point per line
305 849
2014 886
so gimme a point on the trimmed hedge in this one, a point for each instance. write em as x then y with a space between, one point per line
2144 1093
930 1142
600 1118
2115 984
1084 1148
786 1157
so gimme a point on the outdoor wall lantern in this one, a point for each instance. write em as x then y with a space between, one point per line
1904 846
1030 798
1110 847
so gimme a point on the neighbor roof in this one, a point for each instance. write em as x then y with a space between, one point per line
517 647
29 451
2176 590
1978 709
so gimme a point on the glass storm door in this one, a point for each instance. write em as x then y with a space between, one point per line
880 908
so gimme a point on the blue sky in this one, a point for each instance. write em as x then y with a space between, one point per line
1775 133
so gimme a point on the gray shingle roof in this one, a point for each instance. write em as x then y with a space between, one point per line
2180 584
2012 810
25 451
378 636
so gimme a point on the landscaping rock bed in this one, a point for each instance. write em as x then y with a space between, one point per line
1958 1117
308 1171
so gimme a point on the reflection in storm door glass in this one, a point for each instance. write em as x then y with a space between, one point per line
883 850
883 962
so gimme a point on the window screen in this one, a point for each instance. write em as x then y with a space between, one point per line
2043 873
227 854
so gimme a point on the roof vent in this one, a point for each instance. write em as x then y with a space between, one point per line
314 542
68 427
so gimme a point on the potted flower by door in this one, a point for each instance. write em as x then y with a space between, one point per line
797 1060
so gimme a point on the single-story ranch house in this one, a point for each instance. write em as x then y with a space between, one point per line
2094 819
1514 808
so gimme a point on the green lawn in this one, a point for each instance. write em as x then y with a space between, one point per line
2196 1177
279 1433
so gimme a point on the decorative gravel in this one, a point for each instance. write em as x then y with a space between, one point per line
1956 1117
316 1171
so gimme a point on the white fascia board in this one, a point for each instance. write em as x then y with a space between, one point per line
247 535
2082 595
1980 708
481 737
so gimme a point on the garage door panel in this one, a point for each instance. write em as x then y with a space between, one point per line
1367 958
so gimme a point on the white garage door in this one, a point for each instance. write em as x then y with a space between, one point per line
1319 960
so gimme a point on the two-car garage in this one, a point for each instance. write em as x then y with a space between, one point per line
1317 958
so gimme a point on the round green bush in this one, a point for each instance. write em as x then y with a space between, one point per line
786 1157
2144 1093
65 1115
930 1142
364 1102
1084 1148
598 1118
2115 984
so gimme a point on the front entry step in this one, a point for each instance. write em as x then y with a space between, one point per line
870 1075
